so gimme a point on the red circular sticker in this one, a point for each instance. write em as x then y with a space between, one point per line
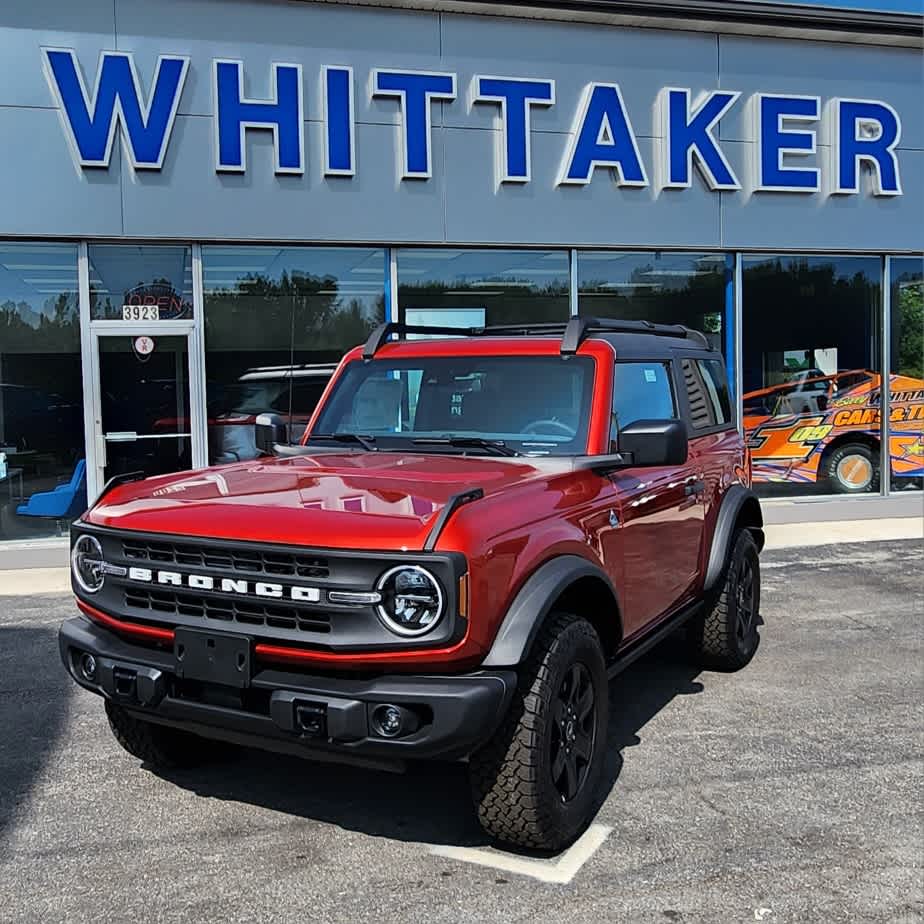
144 346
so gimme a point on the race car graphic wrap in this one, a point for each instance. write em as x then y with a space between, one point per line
791 429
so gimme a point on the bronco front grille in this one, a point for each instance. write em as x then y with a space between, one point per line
245 560
250 613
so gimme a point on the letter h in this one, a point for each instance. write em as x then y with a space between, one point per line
234 114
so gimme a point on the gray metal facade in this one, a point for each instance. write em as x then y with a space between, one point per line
46 194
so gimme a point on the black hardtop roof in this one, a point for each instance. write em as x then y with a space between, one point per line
626 337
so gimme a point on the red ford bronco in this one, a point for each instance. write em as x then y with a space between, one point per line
474 533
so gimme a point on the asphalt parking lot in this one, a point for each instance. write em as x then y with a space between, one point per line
791 791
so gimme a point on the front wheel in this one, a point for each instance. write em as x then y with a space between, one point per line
852 469
534 784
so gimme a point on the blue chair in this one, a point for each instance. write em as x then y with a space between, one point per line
65 502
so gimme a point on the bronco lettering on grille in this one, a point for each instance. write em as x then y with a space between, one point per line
225 585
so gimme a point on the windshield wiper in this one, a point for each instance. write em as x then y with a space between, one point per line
367 442
497 447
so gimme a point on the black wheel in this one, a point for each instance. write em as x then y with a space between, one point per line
158 745
534 784
724 635
852 469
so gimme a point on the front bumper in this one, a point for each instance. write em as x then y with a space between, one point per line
322 717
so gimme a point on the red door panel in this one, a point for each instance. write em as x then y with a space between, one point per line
661 527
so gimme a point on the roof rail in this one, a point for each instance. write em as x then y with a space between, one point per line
381 334
578 329
572 332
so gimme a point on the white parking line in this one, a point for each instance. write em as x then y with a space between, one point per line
560 870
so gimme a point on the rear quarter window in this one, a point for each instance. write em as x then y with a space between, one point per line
707 393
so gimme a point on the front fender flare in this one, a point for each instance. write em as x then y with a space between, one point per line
532 604
733 503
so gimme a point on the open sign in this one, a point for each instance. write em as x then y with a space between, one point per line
156 301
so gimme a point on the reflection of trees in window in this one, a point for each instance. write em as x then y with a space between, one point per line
908 310
697 302
809 304
102 307
305 310
54 329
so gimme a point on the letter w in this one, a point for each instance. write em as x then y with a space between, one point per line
90 121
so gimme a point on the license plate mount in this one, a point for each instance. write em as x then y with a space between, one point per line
212 657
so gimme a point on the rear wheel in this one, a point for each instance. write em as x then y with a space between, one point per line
158 745
534 784
725 635
852 469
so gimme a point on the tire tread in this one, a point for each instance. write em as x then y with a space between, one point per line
504 774
713 631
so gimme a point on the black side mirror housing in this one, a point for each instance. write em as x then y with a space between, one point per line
269 430
655 442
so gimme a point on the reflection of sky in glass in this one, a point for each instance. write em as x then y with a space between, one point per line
617 272
844 267
496 268
35 275
117 268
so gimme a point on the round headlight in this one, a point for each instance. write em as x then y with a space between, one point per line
412 600
87 564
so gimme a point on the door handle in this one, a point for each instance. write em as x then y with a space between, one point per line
694 487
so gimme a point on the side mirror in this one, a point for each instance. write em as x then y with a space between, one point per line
269 430
655 442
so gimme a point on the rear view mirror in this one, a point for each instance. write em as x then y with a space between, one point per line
655 442
270 429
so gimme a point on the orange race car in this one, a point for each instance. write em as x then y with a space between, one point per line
819 428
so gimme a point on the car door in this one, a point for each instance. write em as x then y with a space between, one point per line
659 509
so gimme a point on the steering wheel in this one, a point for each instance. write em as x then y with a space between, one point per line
535 425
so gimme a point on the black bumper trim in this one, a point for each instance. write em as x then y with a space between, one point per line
458 713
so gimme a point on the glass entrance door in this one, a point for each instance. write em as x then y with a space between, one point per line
144 421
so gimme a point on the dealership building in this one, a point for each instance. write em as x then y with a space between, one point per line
206 202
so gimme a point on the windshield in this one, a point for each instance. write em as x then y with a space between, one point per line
536 405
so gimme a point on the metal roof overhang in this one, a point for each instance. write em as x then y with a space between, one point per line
739 17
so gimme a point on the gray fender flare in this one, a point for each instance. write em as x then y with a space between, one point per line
734 501
532 604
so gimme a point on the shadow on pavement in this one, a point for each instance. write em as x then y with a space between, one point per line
35 693
431 802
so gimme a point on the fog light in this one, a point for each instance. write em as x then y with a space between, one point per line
88 667
388 721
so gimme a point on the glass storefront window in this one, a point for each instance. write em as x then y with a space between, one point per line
140 283
474 288
666 288
277 321
906 388
811 348
42 468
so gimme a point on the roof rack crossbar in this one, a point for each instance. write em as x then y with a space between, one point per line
579 328
381 334
573 332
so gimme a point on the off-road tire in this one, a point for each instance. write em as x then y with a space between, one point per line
717 635
511 777
834 463
158 745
